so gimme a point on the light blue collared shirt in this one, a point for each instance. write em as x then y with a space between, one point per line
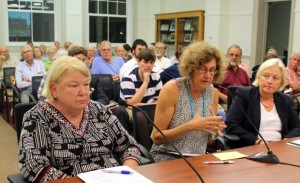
23 70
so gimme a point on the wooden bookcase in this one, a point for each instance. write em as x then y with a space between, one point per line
179 29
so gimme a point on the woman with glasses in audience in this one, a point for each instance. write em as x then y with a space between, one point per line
186 106
269 109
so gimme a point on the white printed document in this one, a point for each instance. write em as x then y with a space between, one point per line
102 176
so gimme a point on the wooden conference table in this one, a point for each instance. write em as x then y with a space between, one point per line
243 170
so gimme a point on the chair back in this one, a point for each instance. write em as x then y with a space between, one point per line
232 90
20 109
117 89
9 76
36 81
106 82
142 127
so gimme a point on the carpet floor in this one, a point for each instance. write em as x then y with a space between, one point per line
8 151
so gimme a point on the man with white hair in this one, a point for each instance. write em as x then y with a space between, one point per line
292 78
107 64
25 70
8 60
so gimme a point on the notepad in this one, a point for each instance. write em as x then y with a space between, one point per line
295 143
229 155
100 176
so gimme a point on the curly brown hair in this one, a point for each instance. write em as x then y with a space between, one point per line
199 53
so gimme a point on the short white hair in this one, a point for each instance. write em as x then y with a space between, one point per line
273 62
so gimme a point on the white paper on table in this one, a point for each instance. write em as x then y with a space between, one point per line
100 176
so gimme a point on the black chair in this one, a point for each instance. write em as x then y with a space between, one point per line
19 110
36 81
116 88
142 127
106 81
6 88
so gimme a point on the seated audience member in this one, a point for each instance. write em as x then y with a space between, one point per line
172 72
44 51
268 108
25 70
120 51
78 52
137 46
175 59
67 44
152 47
98 95
234 76
107 64
57 45
38 54
7 59
292 77
51 53
141 85
68 134
91 50
161 60
127 52
271 53
186 107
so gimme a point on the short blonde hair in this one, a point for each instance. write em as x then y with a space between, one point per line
273 62
58 70
199 53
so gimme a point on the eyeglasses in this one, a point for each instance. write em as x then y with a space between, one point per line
268 76
203 70
232 54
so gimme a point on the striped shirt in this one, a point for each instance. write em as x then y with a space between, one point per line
131 83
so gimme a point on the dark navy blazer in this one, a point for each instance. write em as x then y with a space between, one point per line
249 99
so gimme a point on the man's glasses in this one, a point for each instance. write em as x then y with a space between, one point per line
203 70
232 54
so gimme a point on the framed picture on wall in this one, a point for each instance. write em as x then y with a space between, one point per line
164 37
164 27
172 26
172 37
187 25
187 38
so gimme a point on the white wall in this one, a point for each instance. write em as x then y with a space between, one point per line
296 33
74 27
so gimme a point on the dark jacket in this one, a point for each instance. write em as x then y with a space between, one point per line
98 93
249 99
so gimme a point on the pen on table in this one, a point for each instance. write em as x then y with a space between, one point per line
118 171
218 162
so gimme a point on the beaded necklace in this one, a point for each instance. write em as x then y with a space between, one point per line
191 100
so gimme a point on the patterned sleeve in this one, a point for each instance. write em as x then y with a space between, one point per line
34 153
124 144
289 78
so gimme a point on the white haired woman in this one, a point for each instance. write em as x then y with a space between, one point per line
269 109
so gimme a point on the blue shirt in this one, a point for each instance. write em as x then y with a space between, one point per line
100 66
23 70
132 82
169 73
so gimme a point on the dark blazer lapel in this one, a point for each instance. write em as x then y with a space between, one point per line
281 109
255 104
